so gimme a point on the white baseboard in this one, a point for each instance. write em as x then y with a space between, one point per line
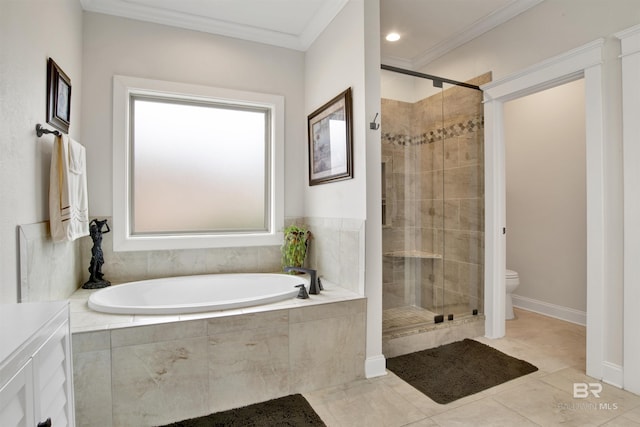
551 310
375 366
612 374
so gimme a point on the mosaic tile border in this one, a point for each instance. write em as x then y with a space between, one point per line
454 130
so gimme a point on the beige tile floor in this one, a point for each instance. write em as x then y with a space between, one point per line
543 398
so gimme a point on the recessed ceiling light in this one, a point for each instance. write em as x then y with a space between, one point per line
392 37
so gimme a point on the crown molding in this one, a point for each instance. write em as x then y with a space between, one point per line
397 62
629 40
551 72
172 18
476 29
320 21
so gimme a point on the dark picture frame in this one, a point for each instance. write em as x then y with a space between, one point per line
330 135
58 97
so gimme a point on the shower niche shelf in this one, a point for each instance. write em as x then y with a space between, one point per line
413 254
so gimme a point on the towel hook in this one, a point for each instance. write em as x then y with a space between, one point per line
373 125
41 131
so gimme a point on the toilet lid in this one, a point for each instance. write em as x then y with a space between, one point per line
511 274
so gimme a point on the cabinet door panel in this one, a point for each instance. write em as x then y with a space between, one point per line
16 400
52 374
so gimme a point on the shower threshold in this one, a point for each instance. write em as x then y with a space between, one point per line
401 318
410 328
410 317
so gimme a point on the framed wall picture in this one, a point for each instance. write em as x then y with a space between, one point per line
58 97
330 141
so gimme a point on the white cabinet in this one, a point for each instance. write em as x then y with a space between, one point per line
36 381
16 399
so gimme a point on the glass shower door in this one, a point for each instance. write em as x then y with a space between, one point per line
412 203
462 160
433 201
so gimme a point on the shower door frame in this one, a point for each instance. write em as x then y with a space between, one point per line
583 62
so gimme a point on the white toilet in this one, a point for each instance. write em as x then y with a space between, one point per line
512 282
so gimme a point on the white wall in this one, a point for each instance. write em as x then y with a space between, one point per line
334 62
405 88
375 361
551 28
347 54
546 195
30 32
114 45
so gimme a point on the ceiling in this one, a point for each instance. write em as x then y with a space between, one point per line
429 28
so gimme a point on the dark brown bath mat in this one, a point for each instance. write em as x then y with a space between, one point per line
456 370
293 410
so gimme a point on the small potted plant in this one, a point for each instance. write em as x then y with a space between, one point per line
296 243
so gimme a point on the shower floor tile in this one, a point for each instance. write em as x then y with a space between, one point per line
403 317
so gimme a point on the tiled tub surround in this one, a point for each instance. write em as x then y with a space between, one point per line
51 271
143 370
150 370
336 248
435 196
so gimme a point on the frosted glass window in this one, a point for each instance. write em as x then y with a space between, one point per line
198 167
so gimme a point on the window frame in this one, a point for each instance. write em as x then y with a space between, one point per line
124 239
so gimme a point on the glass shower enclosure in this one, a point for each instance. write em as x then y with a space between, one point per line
432 199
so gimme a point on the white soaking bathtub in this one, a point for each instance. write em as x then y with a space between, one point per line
194 294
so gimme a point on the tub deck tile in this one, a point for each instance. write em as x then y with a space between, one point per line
145 334
248 366
161 369
158 382
83 319
248 321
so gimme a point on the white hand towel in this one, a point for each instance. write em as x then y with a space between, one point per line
68 202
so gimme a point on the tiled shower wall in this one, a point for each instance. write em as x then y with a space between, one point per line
434 200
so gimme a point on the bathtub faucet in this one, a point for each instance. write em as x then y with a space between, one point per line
302 293
314 287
